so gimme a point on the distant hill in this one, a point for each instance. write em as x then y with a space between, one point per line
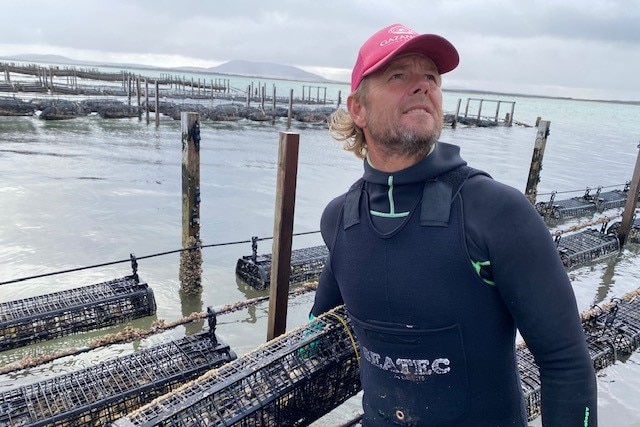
267 70
237 67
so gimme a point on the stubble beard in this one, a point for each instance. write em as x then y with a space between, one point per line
397 140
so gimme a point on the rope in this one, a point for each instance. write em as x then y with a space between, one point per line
104 264
129 334
582 190
348 331
580 226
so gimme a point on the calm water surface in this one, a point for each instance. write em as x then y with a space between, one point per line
90 191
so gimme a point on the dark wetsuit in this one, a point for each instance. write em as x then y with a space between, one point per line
436 270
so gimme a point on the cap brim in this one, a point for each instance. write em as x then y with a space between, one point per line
443 54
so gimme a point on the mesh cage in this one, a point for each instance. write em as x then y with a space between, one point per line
530 381
563 209
100 394
306 264
617 326
634 231
611 199
290 381
45 317
585 246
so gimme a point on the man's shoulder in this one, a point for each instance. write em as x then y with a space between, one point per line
485 193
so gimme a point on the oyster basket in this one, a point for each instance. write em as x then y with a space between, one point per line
611 199
586 246
306 264
100 394
290 381
569 208
87 308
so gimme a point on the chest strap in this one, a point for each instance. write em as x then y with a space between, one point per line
437 196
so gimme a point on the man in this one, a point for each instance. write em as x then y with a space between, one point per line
437 263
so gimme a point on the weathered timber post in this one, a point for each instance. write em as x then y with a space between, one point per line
497 112
51 78
283 233
274 101
191 256
129 89
139 96
339 98
146 97
480 110
248 96
513 107
157 104
290 109
454 123
536 161
630 205
466 108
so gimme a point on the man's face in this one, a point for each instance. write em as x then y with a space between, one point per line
401 110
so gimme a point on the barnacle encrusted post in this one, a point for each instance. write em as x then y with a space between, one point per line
191 256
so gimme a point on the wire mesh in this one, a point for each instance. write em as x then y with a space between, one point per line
58 314
306 264
291 381
530 381
611 199
586 246
100 394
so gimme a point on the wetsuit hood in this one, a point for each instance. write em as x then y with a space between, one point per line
443 158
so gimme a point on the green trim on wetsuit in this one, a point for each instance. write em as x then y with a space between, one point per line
392 206
483 266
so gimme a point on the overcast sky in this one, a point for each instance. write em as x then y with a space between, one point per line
577 48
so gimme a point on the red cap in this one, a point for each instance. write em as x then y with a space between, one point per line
384 45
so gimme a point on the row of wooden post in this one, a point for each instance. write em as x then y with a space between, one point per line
285 207
508 117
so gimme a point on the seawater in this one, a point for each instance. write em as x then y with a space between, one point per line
90 191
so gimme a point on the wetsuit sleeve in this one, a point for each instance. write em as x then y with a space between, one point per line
328 293
534 285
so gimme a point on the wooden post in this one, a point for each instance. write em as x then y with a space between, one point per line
139 95
536 161
466 109
129 89
248 96
274 101
497 112
513 107
283 233
455 118
290 109
339 98
262 96
146 97
480 110
190 260
324 101
630 206
157 104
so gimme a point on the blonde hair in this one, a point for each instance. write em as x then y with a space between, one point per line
342 127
